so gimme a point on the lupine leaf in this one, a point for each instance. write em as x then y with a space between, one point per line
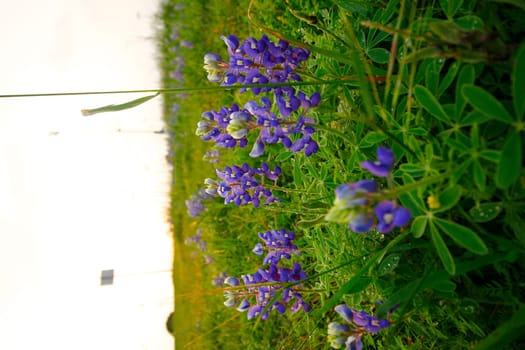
463 236
486 103
448 78
510 162
425 98
475 117
442 250
479 175
469 22
379 55
119 107
388 264
465 76
493 156
419 225
372 138
445 286
485 212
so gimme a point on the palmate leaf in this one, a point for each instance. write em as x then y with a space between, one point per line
119 107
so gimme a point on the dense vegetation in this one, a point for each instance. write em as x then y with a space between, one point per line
430 93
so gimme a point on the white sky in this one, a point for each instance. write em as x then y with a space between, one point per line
77 195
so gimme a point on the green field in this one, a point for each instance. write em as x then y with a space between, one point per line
439 83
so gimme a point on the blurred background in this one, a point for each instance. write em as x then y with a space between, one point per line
79 195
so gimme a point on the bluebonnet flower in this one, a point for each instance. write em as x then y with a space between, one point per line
229 127
239 184
363 206
260 288
384 163
257 61
262 61
278 243
350 334
391 215
350 200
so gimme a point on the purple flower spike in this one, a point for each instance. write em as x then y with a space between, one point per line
390 215
383 165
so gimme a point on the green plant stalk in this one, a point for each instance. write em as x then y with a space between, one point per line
183 89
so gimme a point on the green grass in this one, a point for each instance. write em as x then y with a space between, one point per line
449 104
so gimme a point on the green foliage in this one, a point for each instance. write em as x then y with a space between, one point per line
441 83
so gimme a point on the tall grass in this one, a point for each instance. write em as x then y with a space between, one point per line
439 82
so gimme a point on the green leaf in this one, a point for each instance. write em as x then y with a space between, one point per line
379 55
442 250
485 212
120 107
485 103
297 174
425 98
412 169
469 23
448 78
475 117
432 77
372 138
490 155
518 82
466 76
284 155
449 198
418 131
353 6
479 175
509 166
388 264
444 286
463 236
419 225
458 172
